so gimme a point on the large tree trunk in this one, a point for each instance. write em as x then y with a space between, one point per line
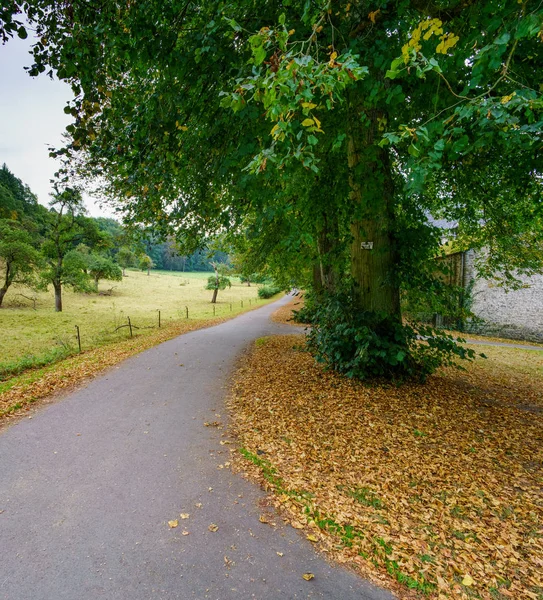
7 283
3 291
58 295
325 270
373 251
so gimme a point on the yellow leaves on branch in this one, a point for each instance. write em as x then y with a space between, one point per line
423 32
372 16
448 41
505 99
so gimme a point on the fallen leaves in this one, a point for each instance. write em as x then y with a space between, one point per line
184 515
284 313
212 527
308 576
173 524
435 486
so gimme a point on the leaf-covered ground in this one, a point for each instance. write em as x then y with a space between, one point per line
435 490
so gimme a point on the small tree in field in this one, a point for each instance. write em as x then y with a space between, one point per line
67 229
101 267
146 263
18 258
126 258
219 281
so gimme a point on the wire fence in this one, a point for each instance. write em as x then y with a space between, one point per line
186 313
89 338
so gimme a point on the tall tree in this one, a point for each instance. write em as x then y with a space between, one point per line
393 94
67 228
218 281
18 256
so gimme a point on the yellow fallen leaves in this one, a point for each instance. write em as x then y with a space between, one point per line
308 576
173 524
436 485
213 527
184 515
284 313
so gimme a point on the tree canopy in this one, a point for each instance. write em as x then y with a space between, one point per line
330 130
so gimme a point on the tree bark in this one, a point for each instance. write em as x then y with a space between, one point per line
3 291
217 282
58 296
373 252
7 283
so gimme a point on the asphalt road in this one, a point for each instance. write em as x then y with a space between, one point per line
88 485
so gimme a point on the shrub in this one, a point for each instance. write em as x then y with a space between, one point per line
368 344
267 291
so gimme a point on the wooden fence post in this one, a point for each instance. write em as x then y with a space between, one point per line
130 327
78 337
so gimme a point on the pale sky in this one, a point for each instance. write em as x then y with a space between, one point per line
31 120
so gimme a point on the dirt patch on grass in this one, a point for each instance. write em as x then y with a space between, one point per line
435 489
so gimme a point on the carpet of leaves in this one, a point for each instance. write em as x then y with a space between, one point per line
434 490
284 314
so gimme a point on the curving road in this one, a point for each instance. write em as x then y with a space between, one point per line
88 485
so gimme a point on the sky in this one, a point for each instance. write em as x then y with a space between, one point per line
31 120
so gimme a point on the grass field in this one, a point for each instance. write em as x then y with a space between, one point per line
34 337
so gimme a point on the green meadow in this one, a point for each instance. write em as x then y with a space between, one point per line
33 334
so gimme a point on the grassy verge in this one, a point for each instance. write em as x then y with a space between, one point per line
32 377
433 490
32 335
